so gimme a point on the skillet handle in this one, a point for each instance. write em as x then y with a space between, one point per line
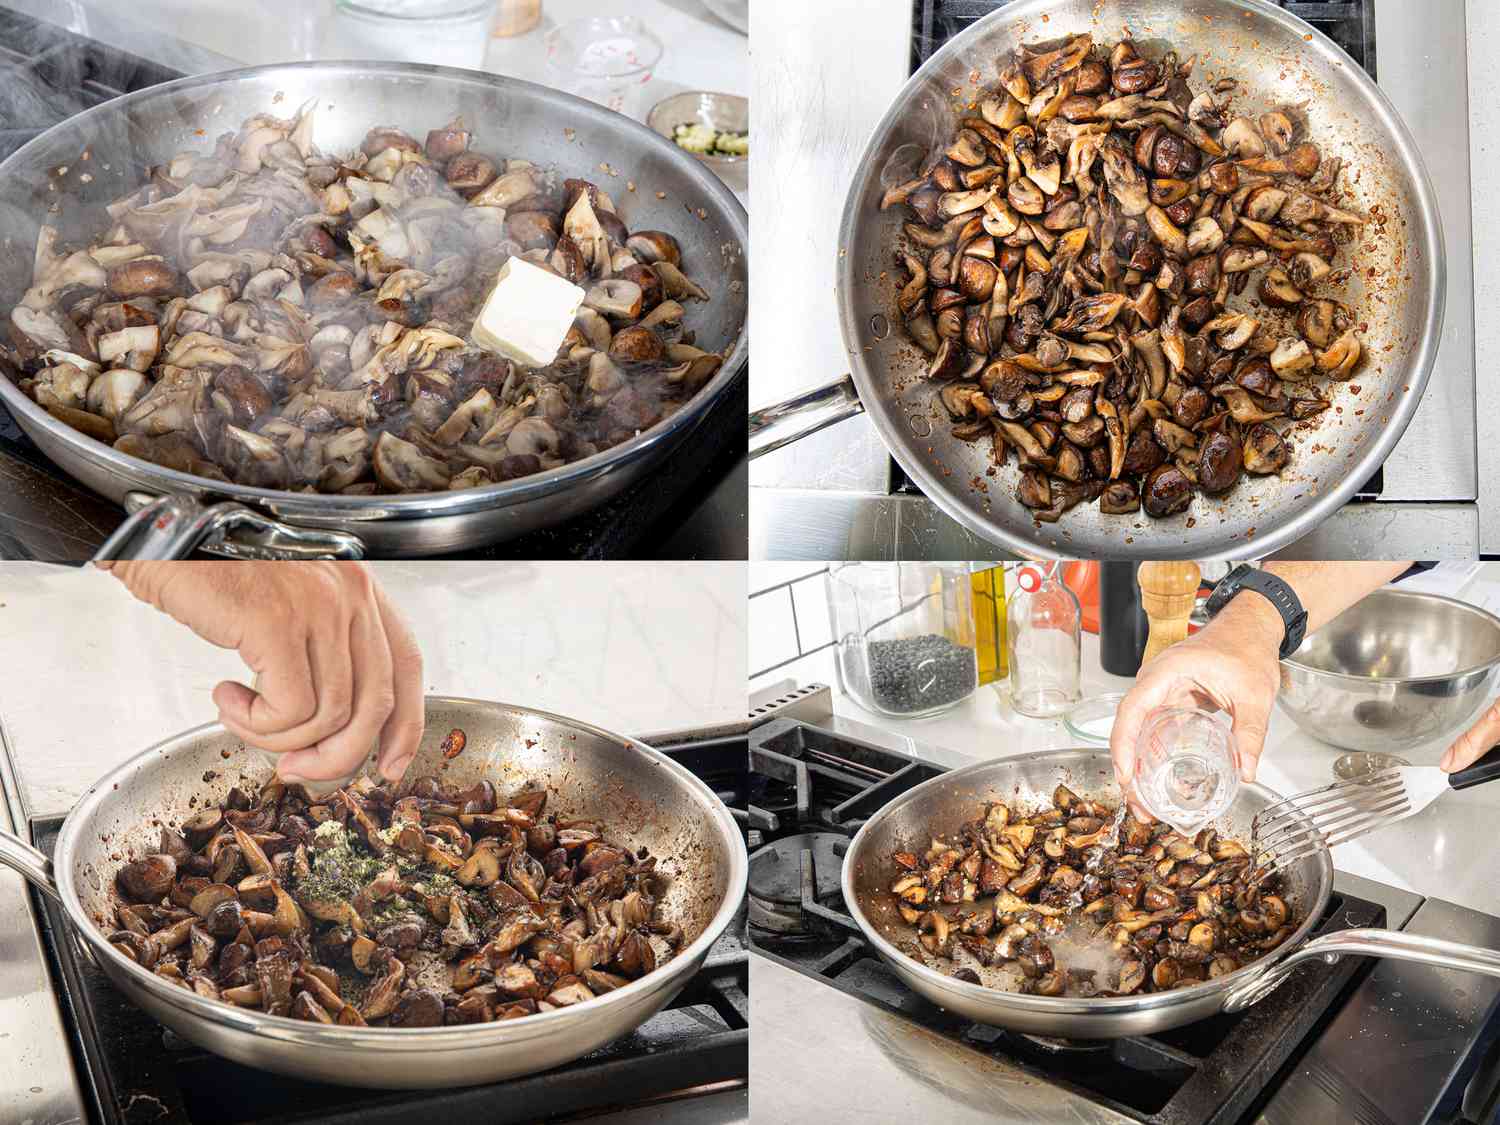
174 526
18 855
1369 943
807 413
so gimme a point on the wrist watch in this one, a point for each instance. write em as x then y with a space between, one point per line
1275 591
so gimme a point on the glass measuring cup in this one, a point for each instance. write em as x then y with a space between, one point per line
606 59
1187 767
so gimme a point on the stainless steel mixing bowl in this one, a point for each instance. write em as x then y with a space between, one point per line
1395 671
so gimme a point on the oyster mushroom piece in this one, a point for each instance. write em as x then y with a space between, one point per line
678 285
458 934
385 991
582 228
1166 232
1340 358
168 406
1123 177
401 467
134 347
534 437
65 385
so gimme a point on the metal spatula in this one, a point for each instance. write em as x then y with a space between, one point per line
1345 810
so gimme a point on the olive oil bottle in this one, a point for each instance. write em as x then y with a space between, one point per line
988 587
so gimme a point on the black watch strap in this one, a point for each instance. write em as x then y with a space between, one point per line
1275 591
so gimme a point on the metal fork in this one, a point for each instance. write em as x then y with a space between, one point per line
1304 823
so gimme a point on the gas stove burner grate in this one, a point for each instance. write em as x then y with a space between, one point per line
788 874
1208 1073
1349 23
136 1070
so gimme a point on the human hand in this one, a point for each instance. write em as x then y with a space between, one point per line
1230 665
1475 742
336 665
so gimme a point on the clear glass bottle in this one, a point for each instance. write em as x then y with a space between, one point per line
904 635
1045 634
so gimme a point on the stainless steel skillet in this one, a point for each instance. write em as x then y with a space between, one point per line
47 181
1277 59
945 802
642 794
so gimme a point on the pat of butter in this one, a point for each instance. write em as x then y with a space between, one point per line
527 314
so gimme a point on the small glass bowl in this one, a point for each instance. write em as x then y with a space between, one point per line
724 113
606 59
1094 717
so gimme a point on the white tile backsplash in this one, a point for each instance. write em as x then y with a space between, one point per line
810 601
772 629
764 575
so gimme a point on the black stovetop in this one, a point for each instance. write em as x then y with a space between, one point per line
691 506
136 1071
811 790
1349 23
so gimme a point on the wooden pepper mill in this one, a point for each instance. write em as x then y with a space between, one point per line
1168 592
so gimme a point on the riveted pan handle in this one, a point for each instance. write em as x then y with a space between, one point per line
807 413
18 855
1369 943
174 526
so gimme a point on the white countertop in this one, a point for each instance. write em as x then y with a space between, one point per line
93 676
1483 28
1446 852
196 36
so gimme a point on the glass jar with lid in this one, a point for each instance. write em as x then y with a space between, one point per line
904 635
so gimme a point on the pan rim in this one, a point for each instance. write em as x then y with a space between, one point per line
1028 537
335 506
485 1036
1065 1005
